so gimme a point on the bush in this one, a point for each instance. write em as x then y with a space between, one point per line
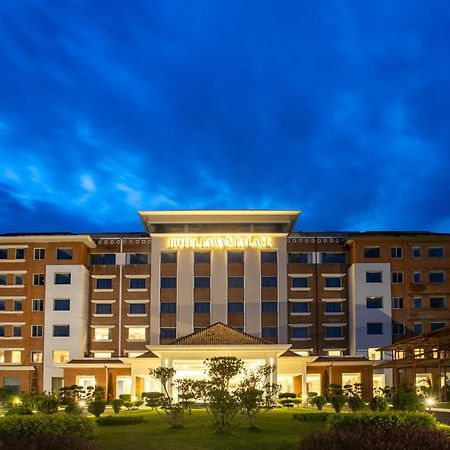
319 416
116 405
73 408
338 402
125 397
379 419
355 403
48 442
48 424
406 400
286 395
18 411
138 403
319 400
378 403
97 407
47 405
153 399
287 402
120 420
385 437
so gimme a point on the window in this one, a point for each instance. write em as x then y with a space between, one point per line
18 280
437 325
36 356
334 332
300 307
334 353
436 277
60 356
168 307
138 258
332 258
2 305
396 252
39 253
235 282
417 277
137 283
12 384
103 283
137 308
38 279
201 282
17 330
16 356
37 305
374 302
20 253
333 307
372 252
103 259
437 302
61 304
333 282
397 277
433 252
168 282
269 332
299 258
3 253
64 253
17 305
300 333
37 331
102 334
373 354
374 277
167 333
269 257
136 333
235 307
300 282
86 381
61 330
416 252
398 329
103 308
269 282
2 280
63 278
374 328
2 330
418 327
102 355
417 302
202 257
235 257
397 302
168 257
269 307
201 307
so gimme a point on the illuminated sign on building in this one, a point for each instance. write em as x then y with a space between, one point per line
218 242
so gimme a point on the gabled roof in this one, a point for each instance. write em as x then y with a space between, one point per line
148 354
219 334
290 354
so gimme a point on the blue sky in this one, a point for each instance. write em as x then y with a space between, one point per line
338 108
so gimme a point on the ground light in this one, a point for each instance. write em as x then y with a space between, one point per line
17 401
430 403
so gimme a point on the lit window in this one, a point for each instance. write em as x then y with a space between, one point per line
335 353
373 354
64 253
61 330
374 302
103 354
63 278
36 356
86 381
351 379
103 334
16 356
136 334
60 356
372 252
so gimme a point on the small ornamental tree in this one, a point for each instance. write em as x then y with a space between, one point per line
96 407
319 400
186 392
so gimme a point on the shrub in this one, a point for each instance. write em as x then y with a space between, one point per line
47 405
125 397
315 416
369 419
378 403
138 403
153 399
47 442
18 411
48 424
286 395
406 400
120 420
128 404
73 408
116 405
320 401
287 402
97 407
338 402
385 437
355 403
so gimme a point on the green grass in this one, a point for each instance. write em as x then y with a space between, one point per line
277 430
443 405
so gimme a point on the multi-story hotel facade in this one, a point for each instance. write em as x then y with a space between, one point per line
104 308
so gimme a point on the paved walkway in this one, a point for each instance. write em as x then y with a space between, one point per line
442 415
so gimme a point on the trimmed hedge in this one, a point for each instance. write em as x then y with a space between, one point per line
119 420
378 437
379 419
41 424
315 416
49 442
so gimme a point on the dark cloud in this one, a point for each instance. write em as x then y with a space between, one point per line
339 109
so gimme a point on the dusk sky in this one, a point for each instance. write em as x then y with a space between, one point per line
338 108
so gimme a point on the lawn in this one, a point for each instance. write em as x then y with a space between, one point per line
277 430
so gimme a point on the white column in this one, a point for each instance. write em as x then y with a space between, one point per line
252 292
219 286
185 292
157 244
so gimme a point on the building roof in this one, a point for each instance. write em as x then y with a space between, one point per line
219 334
290 354
147 354
91 360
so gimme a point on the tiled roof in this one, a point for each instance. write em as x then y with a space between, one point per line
96 361
339 359
219 334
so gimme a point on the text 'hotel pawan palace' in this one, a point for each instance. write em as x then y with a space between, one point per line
105 308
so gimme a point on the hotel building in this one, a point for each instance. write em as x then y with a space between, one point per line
104 308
